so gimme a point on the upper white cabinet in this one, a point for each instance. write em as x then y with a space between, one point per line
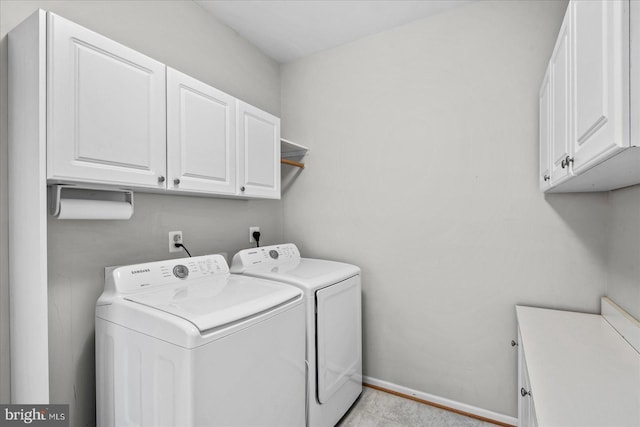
600 41
105 112
258 152
545 132
219 144
559 69
201 136
291 153
115 117
584 102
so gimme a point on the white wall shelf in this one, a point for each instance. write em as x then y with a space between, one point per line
291 153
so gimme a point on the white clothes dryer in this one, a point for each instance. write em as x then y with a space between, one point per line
334 323
184 343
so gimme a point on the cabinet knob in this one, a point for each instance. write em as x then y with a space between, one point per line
160 179
242 188
176 181
513 343
565 163
524 392
546 177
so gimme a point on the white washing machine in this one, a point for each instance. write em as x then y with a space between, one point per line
334 323
184 343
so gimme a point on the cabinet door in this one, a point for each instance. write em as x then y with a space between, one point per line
258 152
600 81
559 75
201 136
106 110
545 133
526 409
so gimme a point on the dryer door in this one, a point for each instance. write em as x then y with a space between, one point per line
338 334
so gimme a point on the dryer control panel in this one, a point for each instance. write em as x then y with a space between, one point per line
138 277
264 256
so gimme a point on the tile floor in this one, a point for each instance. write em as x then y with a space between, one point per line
379 409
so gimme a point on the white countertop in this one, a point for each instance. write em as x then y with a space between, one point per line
581 370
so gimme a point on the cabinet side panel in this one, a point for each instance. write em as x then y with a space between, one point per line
27 212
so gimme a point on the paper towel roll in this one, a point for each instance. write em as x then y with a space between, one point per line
94 209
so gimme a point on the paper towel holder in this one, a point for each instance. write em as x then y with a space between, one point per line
59 192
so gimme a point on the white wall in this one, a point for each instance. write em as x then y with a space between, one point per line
623 285
182 35
423 171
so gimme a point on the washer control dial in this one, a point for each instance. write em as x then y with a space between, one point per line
274 254
181 271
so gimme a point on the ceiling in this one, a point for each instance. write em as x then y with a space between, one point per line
289 29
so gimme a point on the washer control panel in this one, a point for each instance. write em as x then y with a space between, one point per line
181 271
140 276
264 256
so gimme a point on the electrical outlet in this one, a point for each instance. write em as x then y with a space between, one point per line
251 230
175 237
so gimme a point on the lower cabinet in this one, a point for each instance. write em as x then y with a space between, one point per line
526 409
576 369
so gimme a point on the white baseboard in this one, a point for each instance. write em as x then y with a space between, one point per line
458 406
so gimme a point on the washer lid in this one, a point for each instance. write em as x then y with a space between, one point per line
216 302
306 273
